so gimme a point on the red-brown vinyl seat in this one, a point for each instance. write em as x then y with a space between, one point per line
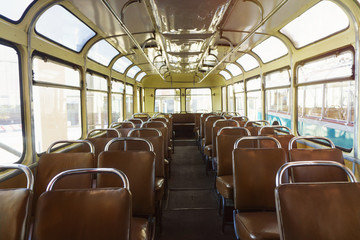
123 127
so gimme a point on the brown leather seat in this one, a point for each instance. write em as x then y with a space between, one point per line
202 129
254 183
79 214
50 164
100 142
168 137
123 127
273 131
321 211
318 173
241 120
254 126
137 121
15 207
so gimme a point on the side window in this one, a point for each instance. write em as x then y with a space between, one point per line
198 100
326 98
129 100
239 98
253 94
57 103
167 100
230 100
117 94
11 134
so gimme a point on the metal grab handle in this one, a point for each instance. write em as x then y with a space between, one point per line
257 138
135 120
25 169
144 129
146 114
103 129
91 146
122 175
257 121
125 139
157 119
221 117
144 124
242 128
225 120
242 118
274 127
288 165
310 138
115 124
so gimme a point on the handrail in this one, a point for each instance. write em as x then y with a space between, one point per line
274 127
242 128
145 123
115 124
144 129
122 175
225 120
278 144
257 121
151 147
288 165
157 119
91 146
25 169
103 129
309 138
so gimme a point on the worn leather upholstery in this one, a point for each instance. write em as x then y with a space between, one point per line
140 228
216 127
319 211
225 186
209 122
15 207
317 173
83 214
100 143
254 183
164 130
50 164
202 123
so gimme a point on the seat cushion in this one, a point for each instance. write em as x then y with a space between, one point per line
139 228
208 150
159 188
257 226
225 186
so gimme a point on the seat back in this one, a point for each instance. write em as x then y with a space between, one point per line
254 171
155 137
99 142
226 137
219 124
168 125
241 120
84 213
15 207
123 127
137 121
209 122
254 126
318 173
51 164
202 123
318 210
272 131
164 130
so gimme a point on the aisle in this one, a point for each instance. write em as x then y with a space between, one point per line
190 211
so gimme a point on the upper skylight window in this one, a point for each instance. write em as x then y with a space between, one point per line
133 71
122 64
140 76
62 27
320 21
225 74
270 49
248 62
234 70
102 52
14 9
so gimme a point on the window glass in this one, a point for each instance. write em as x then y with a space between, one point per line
320 21
233 69
278 100
96 82
96 102
239 87
138 95
102 52
167 100
277 78
225 74
198 100
254 105
52 72
129 100
248 62
117 89
240 103
11 135
270 49
133 71
230 92
64 28
57 111
253 84
122 64
333 66
14 9
223 91
140 76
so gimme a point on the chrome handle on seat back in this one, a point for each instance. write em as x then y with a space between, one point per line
25 169
122 175
274 127
103 129
144 129
225 120
288 165
156 119
242 128
115 124
145 124
257 138
91 146
257 121
309 138
242 118
124 139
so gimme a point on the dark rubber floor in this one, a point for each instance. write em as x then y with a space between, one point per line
190 211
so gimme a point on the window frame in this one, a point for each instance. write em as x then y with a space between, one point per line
22 16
